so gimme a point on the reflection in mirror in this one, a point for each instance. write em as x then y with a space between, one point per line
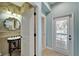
11 23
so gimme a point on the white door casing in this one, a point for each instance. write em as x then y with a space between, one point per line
26 47
27 32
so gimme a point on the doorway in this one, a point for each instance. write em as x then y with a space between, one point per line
27 31
63 34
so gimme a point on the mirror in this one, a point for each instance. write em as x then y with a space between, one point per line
11 23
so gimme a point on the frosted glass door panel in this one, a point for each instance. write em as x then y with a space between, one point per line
61 32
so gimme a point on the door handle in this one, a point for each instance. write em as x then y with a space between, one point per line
70 37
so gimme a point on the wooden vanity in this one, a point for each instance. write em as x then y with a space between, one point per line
16 42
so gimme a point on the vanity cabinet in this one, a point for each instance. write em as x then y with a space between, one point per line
14 44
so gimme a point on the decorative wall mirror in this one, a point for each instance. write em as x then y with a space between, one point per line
12 23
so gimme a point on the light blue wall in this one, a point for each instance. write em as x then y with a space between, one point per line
48 30
39 31
77 30
45 11
58 10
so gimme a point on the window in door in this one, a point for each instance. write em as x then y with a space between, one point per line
61 33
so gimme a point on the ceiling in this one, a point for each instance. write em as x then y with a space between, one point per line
18 3
51 3
21 3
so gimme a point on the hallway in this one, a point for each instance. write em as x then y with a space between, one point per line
48 52
39 25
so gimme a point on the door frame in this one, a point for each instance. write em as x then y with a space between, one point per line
72 14
45 28
37 7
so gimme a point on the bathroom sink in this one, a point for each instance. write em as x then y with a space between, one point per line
14 38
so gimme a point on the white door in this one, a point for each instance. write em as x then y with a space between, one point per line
63 34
